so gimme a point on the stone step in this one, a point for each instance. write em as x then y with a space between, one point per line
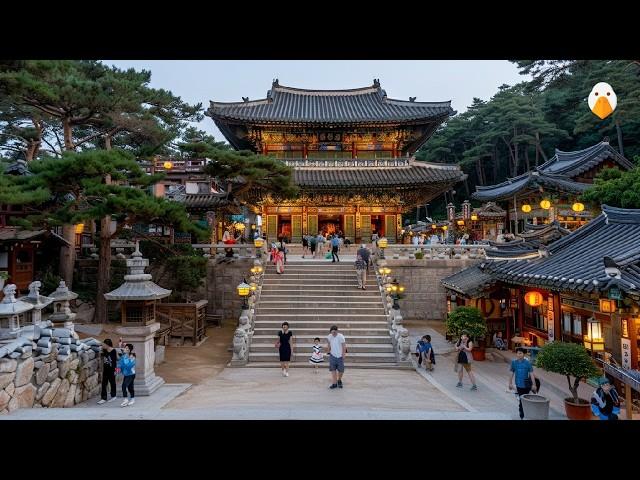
302 296
289 272
323 310
306 348
321 289
335 302
273 330
325 365
309 337
351 357
311 280
320 319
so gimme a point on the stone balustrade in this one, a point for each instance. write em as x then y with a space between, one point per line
435 252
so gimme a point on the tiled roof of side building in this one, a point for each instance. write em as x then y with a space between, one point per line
574 163
576 261
359 105
469 282
414 174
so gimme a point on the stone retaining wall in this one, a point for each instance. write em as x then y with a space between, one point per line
223 276
33 380
424 296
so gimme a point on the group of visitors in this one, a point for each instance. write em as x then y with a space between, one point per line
278 254
111 366
336 349
315 244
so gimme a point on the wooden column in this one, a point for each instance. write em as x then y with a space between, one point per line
304 151
634 324
520 323
354 152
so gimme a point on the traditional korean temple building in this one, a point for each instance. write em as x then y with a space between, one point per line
351 151
551 191
583 287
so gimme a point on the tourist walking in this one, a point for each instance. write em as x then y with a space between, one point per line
364 252
335 247
337 347
127 366
464 348
285 348
305 245
313 241
317 357
605 402
361 272
374 241
282 246
320 241
109 364
525 380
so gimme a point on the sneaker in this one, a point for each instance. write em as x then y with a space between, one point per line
132 401
364 288
339 383
286 374
459 385
125 403
335 385
474 387
100 402
111 399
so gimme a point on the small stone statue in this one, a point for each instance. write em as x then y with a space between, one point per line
404 343
240 344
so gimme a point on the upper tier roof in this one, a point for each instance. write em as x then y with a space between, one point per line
358 105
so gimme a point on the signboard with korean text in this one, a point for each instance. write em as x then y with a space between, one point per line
615 294
626 352
550 318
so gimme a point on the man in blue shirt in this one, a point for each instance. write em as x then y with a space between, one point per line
335 244
526 381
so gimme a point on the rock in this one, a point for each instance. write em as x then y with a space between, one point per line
64 368
53 374
72 376
85 395
84 357
85 313
24 372
159 355
91 354
38 363
7 365
46 358
71 396
37 405
61 394
4 399
23 397
91 381
10 388
51 392
27 354
42 390
78 397
74 364
42 374
6 379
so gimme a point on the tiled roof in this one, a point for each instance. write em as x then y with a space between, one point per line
206 200
557 173
576 262
573 164
359 105
526 181
413 175
18 233
469 282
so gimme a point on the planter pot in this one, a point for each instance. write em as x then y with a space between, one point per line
535 407
478 354
577 411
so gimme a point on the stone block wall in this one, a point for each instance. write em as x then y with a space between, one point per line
424 296
33 380
223 276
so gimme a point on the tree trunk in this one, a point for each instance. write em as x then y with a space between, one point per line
619 132
526 157
539 147
494 158
104 264
68 253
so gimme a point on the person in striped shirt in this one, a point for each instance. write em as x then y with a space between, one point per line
317 357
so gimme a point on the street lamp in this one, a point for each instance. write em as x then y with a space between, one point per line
244 289
258 243
384 271
395 289
382 243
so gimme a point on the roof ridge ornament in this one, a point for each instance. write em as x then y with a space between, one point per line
605 140
412 99
275 83
376 82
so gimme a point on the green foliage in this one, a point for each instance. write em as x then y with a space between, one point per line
4 274
466 318
187 272
50 282
569 359
419 255
615 188
118 271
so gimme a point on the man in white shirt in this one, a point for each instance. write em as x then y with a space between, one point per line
337 347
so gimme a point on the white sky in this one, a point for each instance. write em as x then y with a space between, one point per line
229 80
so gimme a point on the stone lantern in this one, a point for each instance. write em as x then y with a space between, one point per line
62 314
38 301
11 309
138 296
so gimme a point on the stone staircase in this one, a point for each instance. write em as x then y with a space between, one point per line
312 295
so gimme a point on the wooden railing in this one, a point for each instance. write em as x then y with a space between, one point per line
186 320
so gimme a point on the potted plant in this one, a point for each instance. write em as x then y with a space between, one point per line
419 255
471 320
571 360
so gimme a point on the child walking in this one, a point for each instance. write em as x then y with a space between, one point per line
317 357
127 365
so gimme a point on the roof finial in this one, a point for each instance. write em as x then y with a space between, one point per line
412 99
275 83
605 140
245 99
137 252
376 82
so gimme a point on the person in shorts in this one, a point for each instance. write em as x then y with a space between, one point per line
337 348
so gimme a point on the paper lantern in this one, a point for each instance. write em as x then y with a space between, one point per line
577 207
533 299
444 227
433 226
546 204
474 217
80 228
460 222
526 208
167 165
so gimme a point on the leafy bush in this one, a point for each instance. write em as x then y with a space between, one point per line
466 318
569 359
419 255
